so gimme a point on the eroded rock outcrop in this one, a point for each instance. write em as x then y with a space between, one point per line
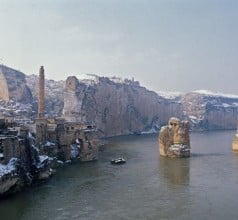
235 142
174 139
13 86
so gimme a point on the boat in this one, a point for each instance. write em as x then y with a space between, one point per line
118 161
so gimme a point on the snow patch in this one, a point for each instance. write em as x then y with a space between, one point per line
74 151
215 94
50 144
151 131
9 168
170 95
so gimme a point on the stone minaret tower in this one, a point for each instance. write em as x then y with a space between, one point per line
41 94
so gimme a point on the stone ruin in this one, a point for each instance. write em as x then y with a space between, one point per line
28 154
62 139
67 140
174 139
21 163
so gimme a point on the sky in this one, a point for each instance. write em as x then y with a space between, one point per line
167 45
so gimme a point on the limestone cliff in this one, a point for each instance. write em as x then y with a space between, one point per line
13 85
116 107
211 111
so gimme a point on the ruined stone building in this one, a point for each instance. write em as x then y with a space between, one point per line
60 138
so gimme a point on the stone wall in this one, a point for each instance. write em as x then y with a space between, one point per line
67 141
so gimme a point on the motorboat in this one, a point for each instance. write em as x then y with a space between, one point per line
118 161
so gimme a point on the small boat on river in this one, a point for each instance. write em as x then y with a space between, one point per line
118 161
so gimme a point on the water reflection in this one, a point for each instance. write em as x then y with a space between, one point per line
175 170
14 206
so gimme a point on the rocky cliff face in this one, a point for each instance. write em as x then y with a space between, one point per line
13 85
211 111
115 107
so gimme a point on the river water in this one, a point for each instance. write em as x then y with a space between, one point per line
204 186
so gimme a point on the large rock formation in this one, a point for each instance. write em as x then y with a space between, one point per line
174 139
235 142
210 111
13 86
116 107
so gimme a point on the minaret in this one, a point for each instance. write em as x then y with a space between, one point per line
41 94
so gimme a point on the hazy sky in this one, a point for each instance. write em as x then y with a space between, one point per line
171 45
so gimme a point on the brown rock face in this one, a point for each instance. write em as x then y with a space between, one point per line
174 139
13 85
4 95
235 142
116 107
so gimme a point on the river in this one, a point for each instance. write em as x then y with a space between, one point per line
204 186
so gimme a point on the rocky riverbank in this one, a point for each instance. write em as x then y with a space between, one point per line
21 164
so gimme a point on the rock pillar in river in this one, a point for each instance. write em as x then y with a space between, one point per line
235 142
174 139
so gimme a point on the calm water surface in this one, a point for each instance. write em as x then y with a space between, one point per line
204 186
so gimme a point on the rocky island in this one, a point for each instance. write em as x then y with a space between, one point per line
174 139
235 142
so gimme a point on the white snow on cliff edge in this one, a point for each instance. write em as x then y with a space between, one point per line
215 94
